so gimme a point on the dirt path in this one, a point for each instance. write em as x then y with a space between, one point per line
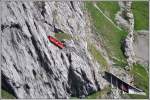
106 16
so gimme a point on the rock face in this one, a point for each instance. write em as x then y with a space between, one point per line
141 44
125 19
34 68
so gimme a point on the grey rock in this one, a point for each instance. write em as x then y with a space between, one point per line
36 68
140 45
125 19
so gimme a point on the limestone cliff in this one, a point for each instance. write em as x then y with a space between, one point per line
32 67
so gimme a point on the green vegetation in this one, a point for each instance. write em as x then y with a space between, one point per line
7 95
141 78
136 96
73 97
109 8
133 96
97 95
112 35
120 63
100 94
61 36
141 14
113 38
97 56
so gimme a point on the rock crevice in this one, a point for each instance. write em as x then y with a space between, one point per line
36 67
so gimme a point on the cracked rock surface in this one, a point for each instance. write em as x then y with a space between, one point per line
34 68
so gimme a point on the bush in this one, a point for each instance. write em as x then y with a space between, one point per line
61 36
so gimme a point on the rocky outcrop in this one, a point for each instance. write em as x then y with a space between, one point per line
34 68
140 45
125 19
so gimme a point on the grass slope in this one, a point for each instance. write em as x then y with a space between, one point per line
105 29
113 37
141 80
141 14
61 36
7 95
97 56
109 8
100 94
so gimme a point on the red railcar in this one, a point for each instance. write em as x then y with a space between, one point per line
56 42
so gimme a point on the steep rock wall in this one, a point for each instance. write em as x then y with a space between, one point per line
34 68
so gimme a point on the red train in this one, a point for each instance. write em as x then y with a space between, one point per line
56 42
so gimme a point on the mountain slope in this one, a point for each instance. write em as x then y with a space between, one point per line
98 37
35 68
